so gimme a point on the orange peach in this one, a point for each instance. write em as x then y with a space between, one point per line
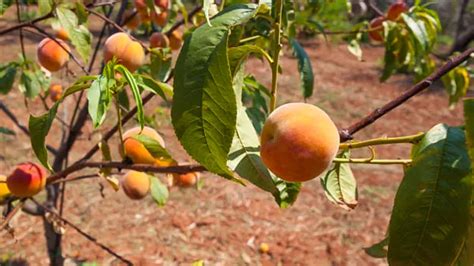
135 150
4 191
141 4
186 180
298 142
26 180
158 39
55 92
128 52
376 29
136 185
396 9
176 39
51 55
160 19
132 21
62 34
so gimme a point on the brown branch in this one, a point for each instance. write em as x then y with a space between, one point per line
11 214
25 24
374 8
181 169
346 134
84 234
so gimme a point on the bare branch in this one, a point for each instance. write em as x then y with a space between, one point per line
346 134
11 214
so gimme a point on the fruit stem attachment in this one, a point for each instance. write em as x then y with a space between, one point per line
413 139
373 161
276 52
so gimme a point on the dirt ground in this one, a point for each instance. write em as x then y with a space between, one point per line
224 223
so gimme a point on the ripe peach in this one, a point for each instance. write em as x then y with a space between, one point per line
376 29
158 39
131 22
141 4
298 142
396 9
3 187
62 34
135 150
160 19
136 185
51 55
55 92
176 39
26 180
129 53
186 180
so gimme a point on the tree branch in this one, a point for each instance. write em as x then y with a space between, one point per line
346 134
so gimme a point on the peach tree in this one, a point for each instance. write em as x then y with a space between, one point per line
223 116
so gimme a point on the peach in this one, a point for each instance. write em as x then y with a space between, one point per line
27 180
131 22
298 142
51 55
176 39
136 185
160 19
55 92
158 39
128 52
141 4
62 34
3 187
376 29
186 180
396 9
135 150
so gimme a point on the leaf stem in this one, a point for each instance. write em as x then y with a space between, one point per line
372 161
276 53
382 141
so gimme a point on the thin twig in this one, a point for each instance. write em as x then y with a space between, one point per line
180 22
12 214
346 134
382 141
180 169
84 234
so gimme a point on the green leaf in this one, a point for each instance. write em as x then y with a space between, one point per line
7 77
430 217
466 257
135 91
288 192
304 67
456 83
340 185
45 6
354 48
204 109
418 30
160 64
6 131
79 35
154 147
99 98
238 54
159 191
378 250
4 4
391 33
29 84
206 4
39 127
159 88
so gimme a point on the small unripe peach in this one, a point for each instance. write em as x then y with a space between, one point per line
62 34
396 9
160 19
135 150
136 185
186 180
376 29
51 55
298 142
132 21
158 39
176 39
26 180
3 187
129 53
55 92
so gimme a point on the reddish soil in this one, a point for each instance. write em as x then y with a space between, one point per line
224 223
